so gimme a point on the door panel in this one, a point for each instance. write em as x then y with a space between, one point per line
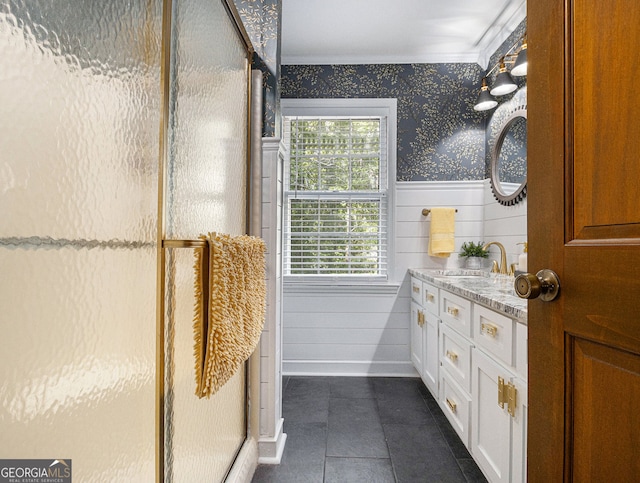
605 438
584 223
603 35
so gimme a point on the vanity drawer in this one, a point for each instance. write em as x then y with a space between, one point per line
456 405
494 333
416 290
456 312
455 356
431 299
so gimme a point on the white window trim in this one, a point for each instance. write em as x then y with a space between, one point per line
383 107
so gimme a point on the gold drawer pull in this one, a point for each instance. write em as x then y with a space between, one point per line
453 356
489 329
453 311
416 289
451 405
430 297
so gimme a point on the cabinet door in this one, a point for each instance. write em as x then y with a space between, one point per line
417 348
490 424
455 356
519 434
431 359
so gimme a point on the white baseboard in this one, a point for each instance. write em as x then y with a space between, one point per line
348 368
270 448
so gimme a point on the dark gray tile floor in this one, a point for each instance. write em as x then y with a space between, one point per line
369 430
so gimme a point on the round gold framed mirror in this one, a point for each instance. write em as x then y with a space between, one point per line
509 159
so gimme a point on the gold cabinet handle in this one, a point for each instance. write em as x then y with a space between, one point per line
416 289
511 399
507 393
453 356
502 397
430 297
489 329
420 318
453 406
453 311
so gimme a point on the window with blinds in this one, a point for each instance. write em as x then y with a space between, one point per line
335 197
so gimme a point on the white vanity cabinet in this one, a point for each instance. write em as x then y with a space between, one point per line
431 361
455 362
417 338
431 357
474 361
424 332
498 421
498 435
417 323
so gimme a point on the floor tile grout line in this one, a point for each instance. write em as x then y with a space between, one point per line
386 442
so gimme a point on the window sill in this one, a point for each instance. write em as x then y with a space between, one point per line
345 287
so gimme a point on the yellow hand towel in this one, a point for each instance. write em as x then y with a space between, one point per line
441 236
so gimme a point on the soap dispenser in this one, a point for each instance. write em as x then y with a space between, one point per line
522 259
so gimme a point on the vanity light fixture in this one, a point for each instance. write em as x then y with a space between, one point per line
485 99
520 65
504 83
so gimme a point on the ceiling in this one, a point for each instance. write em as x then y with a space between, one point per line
396 31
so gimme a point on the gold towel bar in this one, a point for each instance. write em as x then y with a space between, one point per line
184 243
205 301
426 211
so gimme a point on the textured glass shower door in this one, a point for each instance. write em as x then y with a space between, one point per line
78 215
205 190
82 103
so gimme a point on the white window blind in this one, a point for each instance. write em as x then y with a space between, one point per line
335 194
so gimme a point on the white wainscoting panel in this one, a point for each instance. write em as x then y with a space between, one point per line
505 224
412 228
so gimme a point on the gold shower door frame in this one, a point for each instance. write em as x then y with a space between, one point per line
163 242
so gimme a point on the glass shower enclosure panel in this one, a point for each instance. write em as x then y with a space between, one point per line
205 191
78 216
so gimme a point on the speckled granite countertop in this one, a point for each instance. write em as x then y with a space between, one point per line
489 289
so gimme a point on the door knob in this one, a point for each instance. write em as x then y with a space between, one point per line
544 284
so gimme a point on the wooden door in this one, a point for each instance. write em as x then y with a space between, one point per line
584 223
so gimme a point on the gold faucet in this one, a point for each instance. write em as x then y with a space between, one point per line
503 258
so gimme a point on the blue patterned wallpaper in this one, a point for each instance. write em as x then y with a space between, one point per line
440 136
262 20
